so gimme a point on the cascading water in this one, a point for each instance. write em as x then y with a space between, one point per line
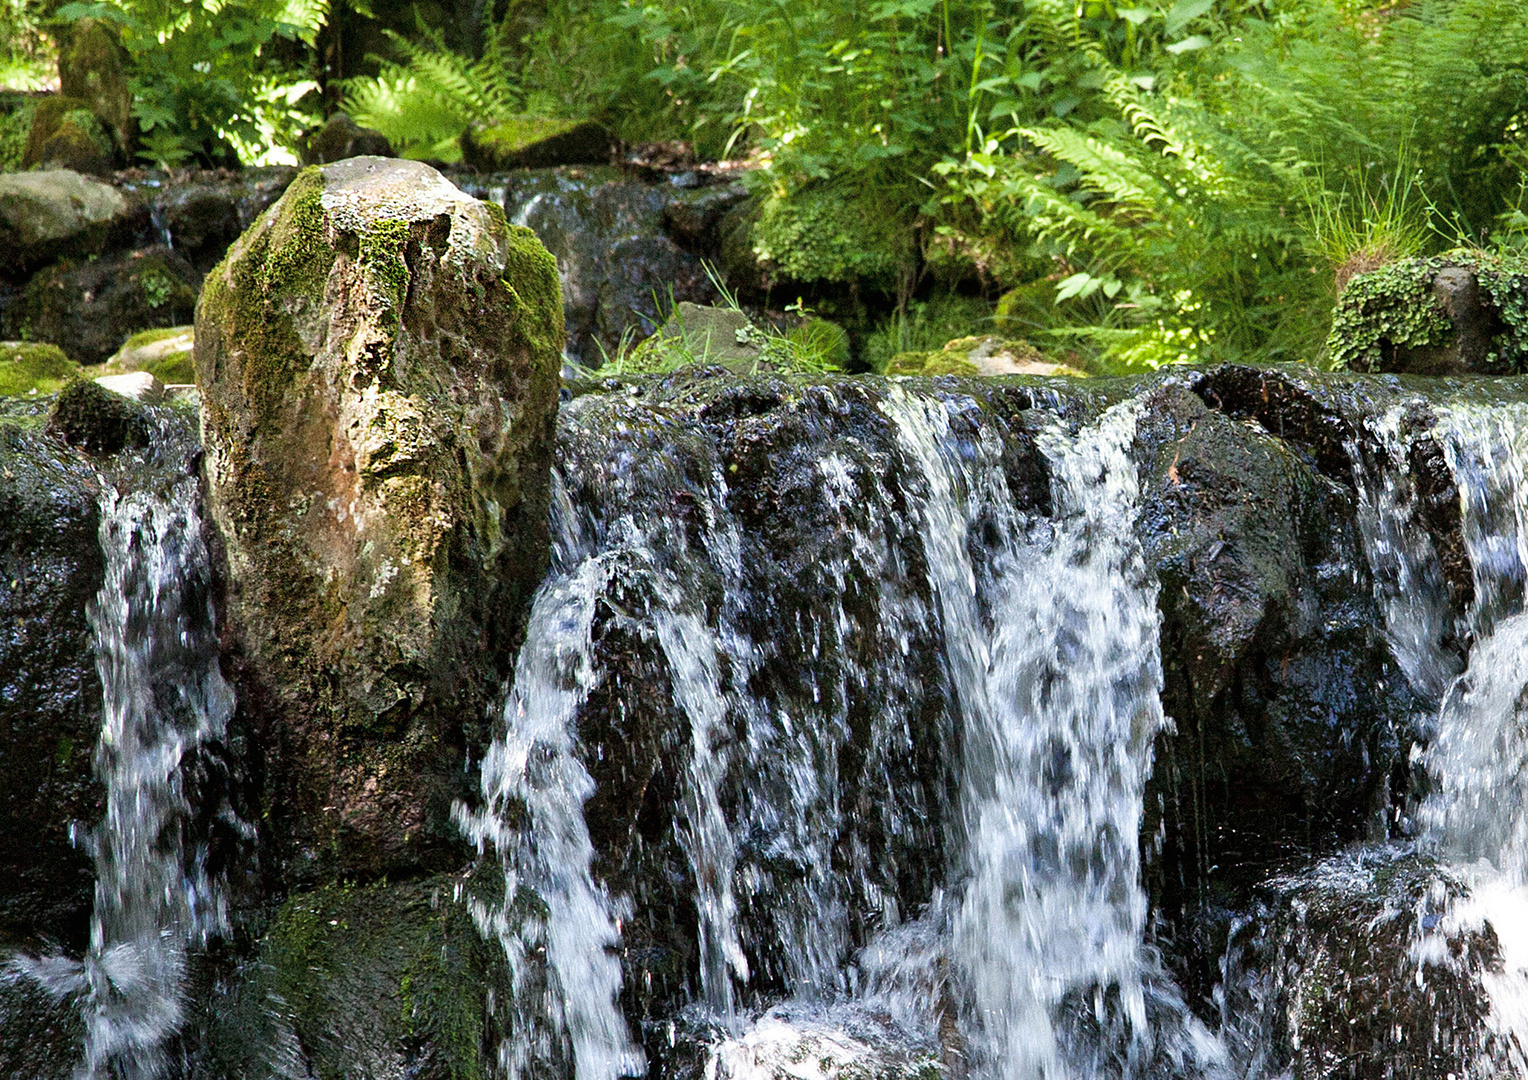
157 898
926 610
1478 755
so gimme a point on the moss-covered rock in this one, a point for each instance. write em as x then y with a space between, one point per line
827 233
88 308
535 142
378 361
1459 313
67 135
56 213
166 354
341 138
29 367
92 68
375 980
16 113
97 420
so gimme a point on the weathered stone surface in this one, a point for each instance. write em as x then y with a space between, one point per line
27 367
534 142
89 308
341 138
139 386
378 362
50 694
92 68
50 214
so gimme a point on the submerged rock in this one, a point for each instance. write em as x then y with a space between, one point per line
89 308
378 362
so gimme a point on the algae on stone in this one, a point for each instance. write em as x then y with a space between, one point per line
378 360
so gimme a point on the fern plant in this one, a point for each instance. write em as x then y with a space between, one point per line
426 101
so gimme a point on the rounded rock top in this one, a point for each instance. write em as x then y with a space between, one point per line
359 192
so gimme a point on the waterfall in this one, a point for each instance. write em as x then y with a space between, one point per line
1474 818
165 706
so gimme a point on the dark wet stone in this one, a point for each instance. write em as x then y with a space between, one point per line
50 693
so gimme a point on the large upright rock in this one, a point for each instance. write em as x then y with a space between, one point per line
378 358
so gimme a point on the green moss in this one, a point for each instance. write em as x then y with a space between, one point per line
530 275
153 337
825 233
15 129
518 132
33 368
1395 306
254 294
404 961
382 246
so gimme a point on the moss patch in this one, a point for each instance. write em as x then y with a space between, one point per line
824 233
33 368
530 276
1394 308
383 975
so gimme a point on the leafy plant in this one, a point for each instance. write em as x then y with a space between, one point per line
206 86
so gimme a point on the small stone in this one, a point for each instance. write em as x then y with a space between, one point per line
341 138
140 386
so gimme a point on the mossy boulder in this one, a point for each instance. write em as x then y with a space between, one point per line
56 213
92 68
166 354
97 420
378 361
50 693
88 308
535 142
981 355
1464 312
66 134
341 138
833 233
372 980
29 367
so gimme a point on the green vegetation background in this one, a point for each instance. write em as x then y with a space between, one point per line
1124 185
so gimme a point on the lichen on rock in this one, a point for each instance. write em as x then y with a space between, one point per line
378 359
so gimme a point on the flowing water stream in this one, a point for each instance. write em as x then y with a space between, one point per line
1023 951
157 896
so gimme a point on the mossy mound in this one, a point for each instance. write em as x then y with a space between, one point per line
535 142
165 353
91 417
28 367
375 980
826 233
92 68
66 134
1457 313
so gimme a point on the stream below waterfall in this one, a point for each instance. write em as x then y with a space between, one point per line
835 751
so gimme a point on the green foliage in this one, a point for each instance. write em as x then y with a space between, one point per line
831 232
1395 307
27 56
424 103
207 87
925 326
15 129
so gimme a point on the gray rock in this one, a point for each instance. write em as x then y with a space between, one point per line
341 138
378 361
49 214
